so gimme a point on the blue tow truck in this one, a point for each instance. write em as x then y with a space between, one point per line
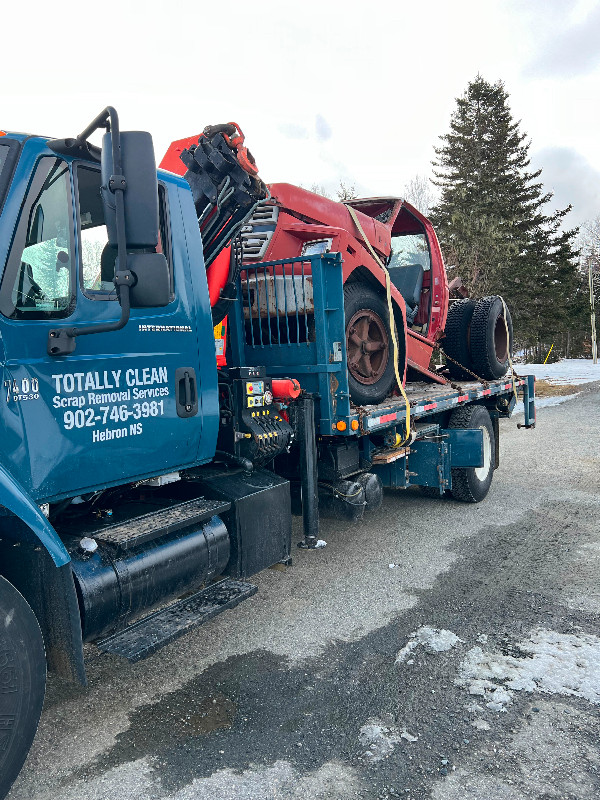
134 474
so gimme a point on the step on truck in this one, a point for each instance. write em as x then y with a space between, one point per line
135 474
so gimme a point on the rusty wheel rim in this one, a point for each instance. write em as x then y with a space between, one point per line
367 345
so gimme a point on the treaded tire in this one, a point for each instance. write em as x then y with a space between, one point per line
456 341
471 484
373 487
489 347
357 297
22 682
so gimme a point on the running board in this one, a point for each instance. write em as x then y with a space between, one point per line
148 635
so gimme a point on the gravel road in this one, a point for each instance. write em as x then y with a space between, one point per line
437 650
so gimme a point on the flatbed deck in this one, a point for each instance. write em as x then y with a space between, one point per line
427 398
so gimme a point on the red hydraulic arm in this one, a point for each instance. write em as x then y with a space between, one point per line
223 177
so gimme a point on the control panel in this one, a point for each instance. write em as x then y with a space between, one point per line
251 425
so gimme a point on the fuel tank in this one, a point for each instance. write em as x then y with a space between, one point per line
115 587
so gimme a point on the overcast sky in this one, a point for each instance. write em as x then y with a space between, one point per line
358 91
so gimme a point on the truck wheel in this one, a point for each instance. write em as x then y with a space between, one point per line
471 484
373 487
369 345
490 346
456 342
22 682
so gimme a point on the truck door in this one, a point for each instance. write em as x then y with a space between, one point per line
126 404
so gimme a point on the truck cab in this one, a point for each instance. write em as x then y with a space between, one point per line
65 416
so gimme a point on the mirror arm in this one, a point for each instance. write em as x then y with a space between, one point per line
61 341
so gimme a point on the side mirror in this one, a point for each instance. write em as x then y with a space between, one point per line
152 287
138 169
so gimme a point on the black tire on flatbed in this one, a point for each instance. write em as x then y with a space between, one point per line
471 484
456 342
22 682
490 346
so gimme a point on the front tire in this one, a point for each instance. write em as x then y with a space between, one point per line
471 484
22 682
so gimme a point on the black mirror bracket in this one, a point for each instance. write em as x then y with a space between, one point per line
61 341
117 182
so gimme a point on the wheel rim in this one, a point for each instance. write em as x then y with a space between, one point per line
501 340
482 472
367 345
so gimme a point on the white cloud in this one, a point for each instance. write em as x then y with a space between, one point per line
572 179
571 51
323 129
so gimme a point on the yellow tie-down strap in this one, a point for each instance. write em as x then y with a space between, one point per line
388 291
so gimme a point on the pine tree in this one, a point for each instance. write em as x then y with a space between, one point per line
491 217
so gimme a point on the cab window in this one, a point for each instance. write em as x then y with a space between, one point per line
39 279
97 256
410 248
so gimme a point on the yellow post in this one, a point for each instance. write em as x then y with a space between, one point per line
549 351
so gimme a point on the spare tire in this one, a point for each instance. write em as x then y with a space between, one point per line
456 342
369 345
490 344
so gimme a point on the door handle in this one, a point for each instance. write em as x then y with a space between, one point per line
188 390
186 393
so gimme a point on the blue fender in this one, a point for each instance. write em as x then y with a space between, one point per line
14 498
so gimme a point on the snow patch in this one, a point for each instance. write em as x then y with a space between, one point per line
543 402
381 739
436 640
408 736
475 708
554 663
573 371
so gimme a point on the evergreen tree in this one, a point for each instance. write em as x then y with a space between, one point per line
491 217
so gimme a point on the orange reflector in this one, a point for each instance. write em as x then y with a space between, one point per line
354 424
341 425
